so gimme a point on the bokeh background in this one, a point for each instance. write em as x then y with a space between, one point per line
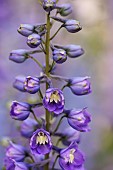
96 17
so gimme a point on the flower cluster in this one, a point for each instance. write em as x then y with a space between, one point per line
42 130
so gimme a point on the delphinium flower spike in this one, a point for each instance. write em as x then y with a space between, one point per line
42 129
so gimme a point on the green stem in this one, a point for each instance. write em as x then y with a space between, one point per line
36 61
47 46
41 95
56 32
58 124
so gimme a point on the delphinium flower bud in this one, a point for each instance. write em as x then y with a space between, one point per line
79 86
40 142
72 51
79 119
54 100
49 5
19 56
28 127
26 29
19 83
59 56
72 26
33 40
11 164
64 9
71 158
32 84
16 152
19 110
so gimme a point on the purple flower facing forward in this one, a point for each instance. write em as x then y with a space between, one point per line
11 164
79 119
54 100
59 56
64 9
26 29
71 158
19 83
16 152
72 26
32 84
28 127
19 56
40 142
80 86
49 5
34 40
20 110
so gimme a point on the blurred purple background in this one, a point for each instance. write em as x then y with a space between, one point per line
96 38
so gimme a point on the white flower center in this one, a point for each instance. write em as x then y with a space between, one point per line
41 139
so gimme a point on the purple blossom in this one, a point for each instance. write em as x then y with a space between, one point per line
26 29
54 100
80 85
72 26
71 158
16 152
32 84
40 142
20 110
34 40
19 56
49 5
79 119
64 9
28 127
59 56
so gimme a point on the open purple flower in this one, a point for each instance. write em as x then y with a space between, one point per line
28 127
32 84
16 152
40 142
80 85
79 119
54 100
71 158
20 110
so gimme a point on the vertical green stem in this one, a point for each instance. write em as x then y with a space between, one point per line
47 47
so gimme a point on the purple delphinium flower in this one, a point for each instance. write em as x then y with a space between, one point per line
79 119
32 84
28 127
49 5
16 152
20 110
72 26
26 29
64 9
54 100
33 40
80 85
40 142
71 158
19 56
59 56
19 83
